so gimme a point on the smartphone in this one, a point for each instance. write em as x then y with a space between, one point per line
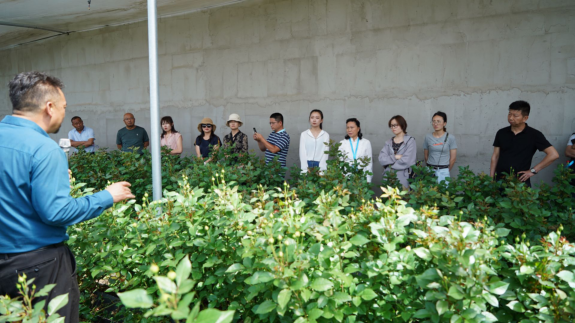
255 131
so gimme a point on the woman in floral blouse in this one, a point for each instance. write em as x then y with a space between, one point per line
236 138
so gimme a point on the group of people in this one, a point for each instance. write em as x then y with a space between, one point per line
36 207
514 146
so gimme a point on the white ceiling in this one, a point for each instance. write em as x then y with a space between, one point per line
74 15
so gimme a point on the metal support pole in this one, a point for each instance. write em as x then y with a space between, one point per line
154 101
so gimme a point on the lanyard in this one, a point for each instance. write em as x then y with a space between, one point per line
354 153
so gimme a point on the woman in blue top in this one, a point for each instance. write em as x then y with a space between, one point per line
440 148
206 139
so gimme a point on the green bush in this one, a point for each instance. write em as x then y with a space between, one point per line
100 169
273 257
533 211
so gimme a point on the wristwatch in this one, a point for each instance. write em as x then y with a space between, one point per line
533 171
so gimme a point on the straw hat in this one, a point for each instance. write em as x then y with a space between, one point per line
206 121
234 117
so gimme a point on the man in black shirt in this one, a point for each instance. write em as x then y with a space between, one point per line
514 146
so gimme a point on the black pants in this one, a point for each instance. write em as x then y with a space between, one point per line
50 265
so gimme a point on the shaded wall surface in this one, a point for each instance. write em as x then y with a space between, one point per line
349 58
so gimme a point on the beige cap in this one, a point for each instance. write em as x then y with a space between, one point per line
206 121
234 117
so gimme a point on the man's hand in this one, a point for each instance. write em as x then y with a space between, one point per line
120 191
524 175
257 137
398 157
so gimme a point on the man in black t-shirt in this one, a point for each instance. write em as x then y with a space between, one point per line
570 153
514 146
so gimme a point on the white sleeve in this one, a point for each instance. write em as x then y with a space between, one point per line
569 142
302 153
323 158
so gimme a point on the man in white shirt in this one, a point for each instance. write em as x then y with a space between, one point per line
81 136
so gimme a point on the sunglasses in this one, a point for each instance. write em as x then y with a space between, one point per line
206 126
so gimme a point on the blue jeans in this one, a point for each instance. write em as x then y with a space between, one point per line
312 163
442 174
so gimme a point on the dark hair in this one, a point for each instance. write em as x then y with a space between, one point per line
522 106
74 118
400 121
320 113
442 115
354 120
29 90
167 119
278 117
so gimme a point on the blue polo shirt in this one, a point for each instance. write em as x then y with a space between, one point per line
35 203
85 135
281 140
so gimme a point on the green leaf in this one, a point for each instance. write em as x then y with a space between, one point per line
301 282
526 270
314 313
57 303
165 284
502 232
212 315
498 288
259 277
235 268
284 297
183 270
423 253
137 298
441 307
368 294
422 313
516 306
266 307
341 297
321 284
490 299
566 276
359 240
45 290
456 292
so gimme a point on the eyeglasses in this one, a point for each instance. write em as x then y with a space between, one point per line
395 125
436 122
206 126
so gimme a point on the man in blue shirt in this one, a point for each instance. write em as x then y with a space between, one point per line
81 136
277 144
35 203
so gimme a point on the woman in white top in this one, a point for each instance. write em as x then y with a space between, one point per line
440 148
355 146
170 136
312 144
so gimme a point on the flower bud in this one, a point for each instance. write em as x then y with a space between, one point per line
206 228
271 240
297 234
281 254
280 237
408 248
154 268
172 275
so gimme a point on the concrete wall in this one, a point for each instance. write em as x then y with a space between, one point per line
369 59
